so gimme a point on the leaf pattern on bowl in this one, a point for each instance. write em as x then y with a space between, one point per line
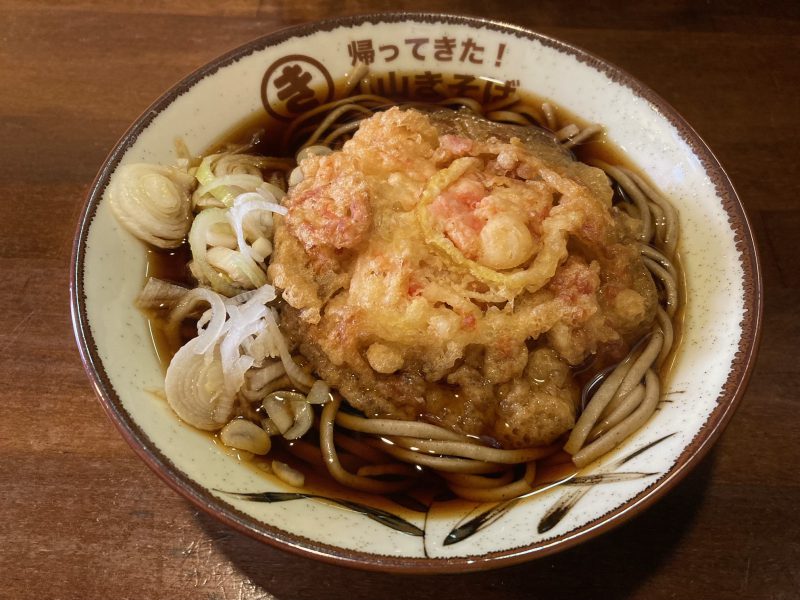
574 487
376 514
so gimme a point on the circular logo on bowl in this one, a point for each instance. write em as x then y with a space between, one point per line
295 84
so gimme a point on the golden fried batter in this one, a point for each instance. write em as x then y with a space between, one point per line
445 268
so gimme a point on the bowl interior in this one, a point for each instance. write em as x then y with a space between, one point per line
719 330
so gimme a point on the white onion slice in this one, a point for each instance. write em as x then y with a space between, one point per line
262 347
295 177
244 323
221 234
245 435
257 379
279 411
236 335
241 181
269 426
152 202
272 189
239 269
315 150
287 474
303 419
261 249
198 240
213 330
234 364
258 299
243 205
320 393
211 334
195 388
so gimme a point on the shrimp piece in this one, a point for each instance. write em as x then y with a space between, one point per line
455 209
333 208
479 228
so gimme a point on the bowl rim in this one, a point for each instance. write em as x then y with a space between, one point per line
728 400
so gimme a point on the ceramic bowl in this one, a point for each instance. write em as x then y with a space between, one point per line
721 326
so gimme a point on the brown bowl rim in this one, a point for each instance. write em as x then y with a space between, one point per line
732 390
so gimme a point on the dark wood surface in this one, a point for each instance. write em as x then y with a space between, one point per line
83 517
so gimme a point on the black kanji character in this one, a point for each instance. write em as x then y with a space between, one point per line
361 51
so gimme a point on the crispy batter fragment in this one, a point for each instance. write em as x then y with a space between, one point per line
331 206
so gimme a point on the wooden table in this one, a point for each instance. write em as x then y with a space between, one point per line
82 517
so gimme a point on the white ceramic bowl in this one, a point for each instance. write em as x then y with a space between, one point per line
721 326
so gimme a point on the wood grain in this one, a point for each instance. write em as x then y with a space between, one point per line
84 518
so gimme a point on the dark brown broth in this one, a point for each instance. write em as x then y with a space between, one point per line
267 133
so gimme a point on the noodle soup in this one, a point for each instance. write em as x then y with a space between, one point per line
521 110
